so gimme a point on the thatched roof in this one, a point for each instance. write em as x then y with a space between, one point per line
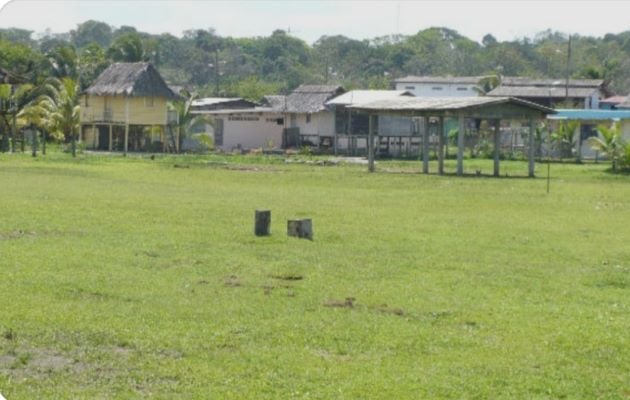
311 98
275 102
131 79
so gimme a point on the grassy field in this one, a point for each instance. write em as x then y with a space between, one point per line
132 278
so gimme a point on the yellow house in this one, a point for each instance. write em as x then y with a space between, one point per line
125 109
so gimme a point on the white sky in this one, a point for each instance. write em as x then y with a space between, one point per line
309 20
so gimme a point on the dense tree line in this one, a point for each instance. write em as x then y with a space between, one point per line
211 64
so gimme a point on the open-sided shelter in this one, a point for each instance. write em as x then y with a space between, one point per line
492 109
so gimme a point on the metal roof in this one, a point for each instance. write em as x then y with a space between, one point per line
542 92
443 104
439 79
227 111
365 96
575 83
207 101
591 115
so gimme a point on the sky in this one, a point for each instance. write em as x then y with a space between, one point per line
309 20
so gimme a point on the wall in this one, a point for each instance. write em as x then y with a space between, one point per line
139 112
321 124
251 130
447 90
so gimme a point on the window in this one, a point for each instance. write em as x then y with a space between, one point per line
148 101
280 121
410 88
85 101
462 89
436 88
308 118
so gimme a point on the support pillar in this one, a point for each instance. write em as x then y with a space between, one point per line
370 143
531 151
126 138
111 138
460 146
440 129
579 141
497 146
425 145
95 139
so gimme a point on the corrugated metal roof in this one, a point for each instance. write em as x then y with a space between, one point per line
443 104
473 80
541 92
207 101
365 96
591 115
226 111
576 83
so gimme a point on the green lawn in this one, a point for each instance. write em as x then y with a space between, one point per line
132 278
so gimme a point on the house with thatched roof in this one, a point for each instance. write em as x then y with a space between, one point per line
309 120
126 109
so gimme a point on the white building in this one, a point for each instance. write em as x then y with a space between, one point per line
439 86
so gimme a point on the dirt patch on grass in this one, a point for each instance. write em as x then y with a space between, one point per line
232 281
37 363
385 309
349 302
288 277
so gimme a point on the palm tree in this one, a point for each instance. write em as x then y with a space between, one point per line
61 109
608 143
488 83
564 137
185 120
12 101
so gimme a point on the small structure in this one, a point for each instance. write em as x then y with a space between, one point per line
439 86
240 124
309 121
221 103
126 109
300 228
582 93
492 109
262 222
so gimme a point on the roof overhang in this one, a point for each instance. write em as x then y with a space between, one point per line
470 107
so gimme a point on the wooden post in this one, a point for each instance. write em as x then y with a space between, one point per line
370 144
111 138
177 141
440 129
13 134
497 146
95 139
44 141
460 146
425 145
126 125
262 222
579 141
301 228
34 141
531 149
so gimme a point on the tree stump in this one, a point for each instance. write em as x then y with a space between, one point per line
262 222
301 228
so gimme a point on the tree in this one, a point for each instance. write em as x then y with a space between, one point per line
186 120
564 138
60 109
127 48
14 101
91 32
608 143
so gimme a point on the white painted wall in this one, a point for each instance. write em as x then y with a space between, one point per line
321 123
439 89
251 131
